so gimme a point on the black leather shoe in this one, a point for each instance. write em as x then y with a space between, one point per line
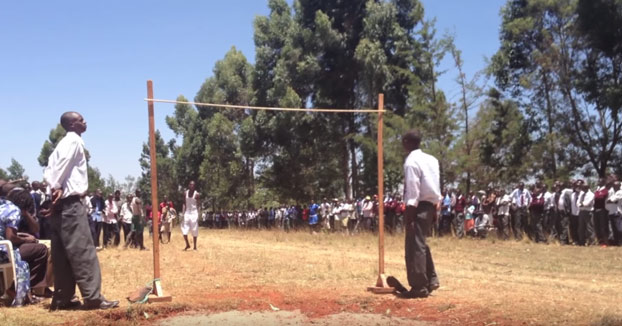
71 305
415 294
394 283
433 287
102 305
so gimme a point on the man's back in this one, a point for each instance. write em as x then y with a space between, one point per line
421 178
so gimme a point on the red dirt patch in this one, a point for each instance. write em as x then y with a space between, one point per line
320 303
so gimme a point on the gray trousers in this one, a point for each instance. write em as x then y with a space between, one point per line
585 228
459 224
73 254
561 226
419 263
504 226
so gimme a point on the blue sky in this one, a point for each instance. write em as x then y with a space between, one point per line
95 57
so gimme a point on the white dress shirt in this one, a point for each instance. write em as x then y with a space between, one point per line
126 213
111 211
587 204
574 203
421 179
67 166
504 205
549 200
614 202
521 198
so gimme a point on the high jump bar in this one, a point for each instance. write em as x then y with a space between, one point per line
230 106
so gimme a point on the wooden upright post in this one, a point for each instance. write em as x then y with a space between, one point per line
158 294
381 282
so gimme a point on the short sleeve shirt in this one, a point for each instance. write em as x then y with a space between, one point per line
10 216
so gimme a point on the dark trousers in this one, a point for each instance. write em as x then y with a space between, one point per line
616 227
518 218
445 225
111 234
459 225
73 254
419 263
536 226
585 227
96 231
574 228
36 255
601 225
561 226
44 228
127 227
549 223
389 222
504 227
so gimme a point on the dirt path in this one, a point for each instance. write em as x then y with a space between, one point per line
282 318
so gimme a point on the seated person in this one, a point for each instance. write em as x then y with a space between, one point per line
30 257
481 224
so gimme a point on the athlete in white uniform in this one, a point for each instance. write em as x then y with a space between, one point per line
191 215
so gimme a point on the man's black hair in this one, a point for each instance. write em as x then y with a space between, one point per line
67 118
22 199
412 137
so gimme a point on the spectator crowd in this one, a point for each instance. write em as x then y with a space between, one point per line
568 212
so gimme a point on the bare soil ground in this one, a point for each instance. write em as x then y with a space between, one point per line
246 276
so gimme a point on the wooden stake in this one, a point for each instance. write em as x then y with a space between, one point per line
381 283
157 288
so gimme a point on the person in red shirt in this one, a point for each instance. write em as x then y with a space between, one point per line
164 217
389 210
537 214
601 218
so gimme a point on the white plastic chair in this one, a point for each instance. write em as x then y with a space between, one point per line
8 268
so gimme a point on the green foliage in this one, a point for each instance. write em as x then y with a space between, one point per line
503 142
561 60
168 183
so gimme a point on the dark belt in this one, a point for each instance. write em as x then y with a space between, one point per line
425 203
71 199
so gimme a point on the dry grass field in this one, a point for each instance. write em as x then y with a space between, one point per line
483 282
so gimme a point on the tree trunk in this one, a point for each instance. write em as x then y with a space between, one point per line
347 188
549 117
353 165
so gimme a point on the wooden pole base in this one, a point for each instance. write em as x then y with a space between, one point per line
155 298
381 286
158 294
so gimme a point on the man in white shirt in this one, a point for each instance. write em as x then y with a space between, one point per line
73 253
503 213
586 208
110 221
422 195
574 211
549 209
521 198
561 212
126 218
368 213
138 221
614 210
